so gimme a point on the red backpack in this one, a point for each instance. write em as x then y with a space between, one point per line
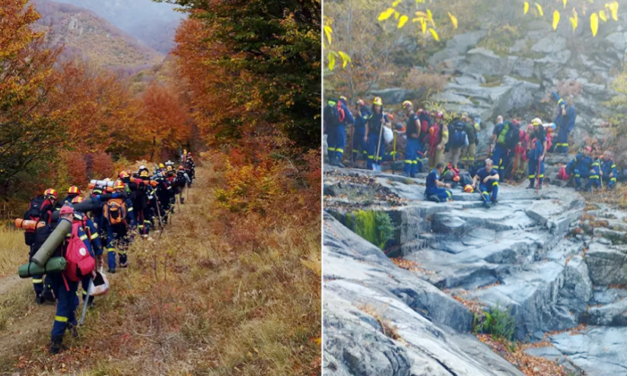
562 174
80 262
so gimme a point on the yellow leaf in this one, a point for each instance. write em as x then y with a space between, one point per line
614 10
594 23
565 1
394 4
453 20
345 58
435 35
396 15
423 25
386 14
526 9
540 11
603 15
327 32
574 20
556 19
331 60
420 2
430 17
402 21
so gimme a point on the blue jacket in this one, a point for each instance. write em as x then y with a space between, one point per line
581 162
568 121
348 116
432 178
360 121
608 166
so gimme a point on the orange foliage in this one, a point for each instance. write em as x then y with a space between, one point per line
101 165
76 167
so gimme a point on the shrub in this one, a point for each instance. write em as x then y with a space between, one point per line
101 166
497 322
426 83
375 227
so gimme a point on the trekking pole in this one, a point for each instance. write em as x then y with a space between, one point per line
394 154
353 143
86 302
538 177
376 158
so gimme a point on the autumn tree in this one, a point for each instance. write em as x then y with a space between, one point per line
261 63
30 126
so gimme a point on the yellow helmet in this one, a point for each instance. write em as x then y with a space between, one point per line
536 121
468 188
161 165
143 174
408 104
119 184
377 101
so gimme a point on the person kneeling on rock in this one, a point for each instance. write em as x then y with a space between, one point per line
488 179
436 190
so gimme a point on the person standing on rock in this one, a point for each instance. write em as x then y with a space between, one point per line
458 139
436 190
359 130
565 122
373 136
608 170
536 154
412 130
335 116
488 179
437 140
500 152
472 129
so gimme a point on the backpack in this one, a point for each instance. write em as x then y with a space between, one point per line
459 138
512 136
115 211
425 123
80 262
562 174
35 213
335 114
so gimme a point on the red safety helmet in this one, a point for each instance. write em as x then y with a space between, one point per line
119 184
439 115
50 192
123 175
77 200
73 190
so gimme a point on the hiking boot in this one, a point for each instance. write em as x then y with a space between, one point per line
111 271
486 204
434 199
124 265
494 202
540 186
531 185
338 163
40 299
413 176
55 347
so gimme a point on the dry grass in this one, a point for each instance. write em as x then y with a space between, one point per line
13 251
191 304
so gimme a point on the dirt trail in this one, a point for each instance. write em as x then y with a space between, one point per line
8 284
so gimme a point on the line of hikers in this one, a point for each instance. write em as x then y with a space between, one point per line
117 211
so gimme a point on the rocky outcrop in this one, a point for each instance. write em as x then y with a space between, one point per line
384 317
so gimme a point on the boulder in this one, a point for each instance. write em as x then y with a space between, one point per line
614 314
607 264
457 45
550 44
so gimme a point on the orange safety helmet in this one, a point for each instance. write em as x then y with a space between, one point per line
77 200
119 184
123 175
50 192
456 178
73 190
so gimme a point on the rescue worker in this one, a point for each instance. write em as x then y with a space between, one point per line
488 179
520 152
190 169
147 214
412 131
608 170
595 175
94 241
163 197
118 219
458 139
181 181
536 153
72 192
472 130
335 116
565 122
501 152
435 189
437 140
581 167
360 149
65 291
40 209
374 136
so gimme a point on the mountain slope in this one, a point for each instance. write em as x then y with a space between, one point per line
85 34
154 24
